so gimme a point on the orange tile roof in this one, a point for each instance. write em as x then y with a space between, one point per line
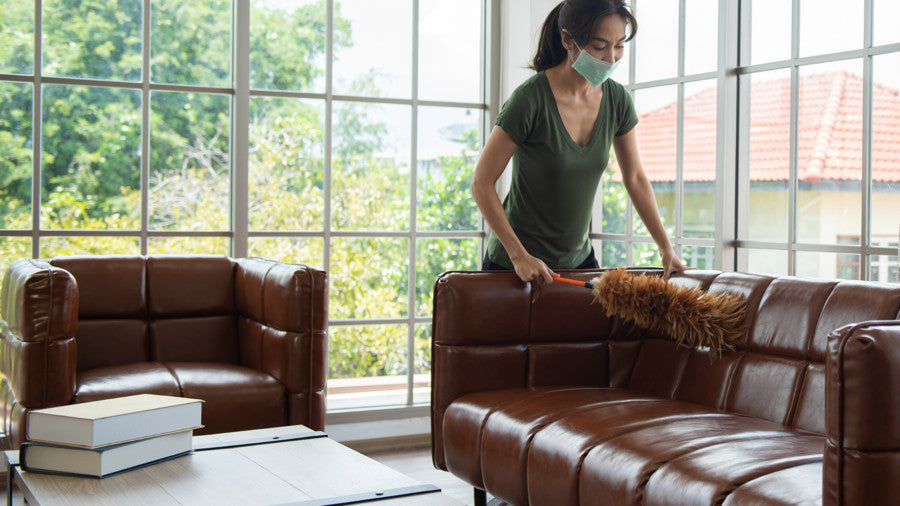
830 132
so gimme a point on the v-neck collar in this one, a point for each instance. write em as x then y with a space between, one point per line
561 124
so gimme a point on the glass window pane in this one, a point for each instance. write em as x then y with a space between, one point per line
830 26
886 14
763 261
701 41
448 142
770 32
435 256
190 180
369 278
189 246
422 365
698 256
645 255
657 40
367 366
699 159
100 40
620 75
16 163
827 265
301 250
191 42
658 143
765 185
287 164
287 45
884 268
12 249
370 166
64 246
610 254
450 50
885 145
830 152
374 56
17 36
610 214
91 158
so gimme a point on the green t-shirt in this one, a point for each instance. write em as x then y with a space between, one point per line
554 180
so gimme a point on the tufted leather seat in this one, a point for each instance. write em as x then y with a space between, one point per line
539 398
248 336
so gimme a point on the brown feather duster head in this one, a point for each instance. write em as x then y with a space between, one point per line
688 315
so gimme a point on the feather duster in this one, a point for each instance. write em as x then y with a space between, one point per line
690 316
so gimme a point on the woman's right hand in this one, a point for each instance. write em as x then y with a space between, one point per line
532 269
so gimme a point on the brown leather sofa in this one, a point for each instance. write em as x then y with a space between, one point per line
248 336
541 399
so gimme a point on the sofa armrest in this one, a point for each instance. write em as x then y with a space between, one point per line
283 323
39 311
862 406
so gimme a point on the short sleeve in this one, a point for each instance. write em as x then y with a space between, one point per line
516 118
625 112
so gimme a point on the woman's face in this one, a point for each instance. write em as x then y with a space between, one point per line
607 41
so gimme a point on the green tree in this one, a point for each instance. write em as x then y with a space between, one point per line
91 157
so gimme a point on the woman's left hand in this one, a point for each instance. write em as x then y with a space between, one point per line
671 263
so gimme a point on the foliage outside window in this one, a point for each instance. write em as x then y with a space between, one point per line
144 164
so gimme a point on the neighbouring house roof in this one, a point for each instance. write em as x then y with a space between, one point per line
830 132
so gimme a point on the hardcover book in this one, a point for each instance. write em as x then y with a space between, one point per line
101 462
112 421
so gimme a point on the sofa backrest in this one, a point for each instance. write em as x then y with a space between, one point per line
491 329
155 308
778 371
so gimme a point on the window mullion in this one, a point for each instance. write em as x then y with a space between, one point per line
866 187
145 129
240 124
413 183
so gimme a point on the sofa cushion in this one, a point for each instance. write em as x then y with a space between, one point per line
507 434
794 485
114 287
122 380
202 286
199 339
235 397
585 445
557 451
105 343
616 471
709 475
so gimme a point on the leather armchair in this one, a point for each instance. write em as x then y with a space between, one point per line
246 335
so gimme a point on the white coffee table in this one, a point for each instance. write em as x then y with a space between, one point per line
284 465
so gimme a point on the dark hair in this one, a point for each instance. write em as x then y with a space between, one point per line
578 18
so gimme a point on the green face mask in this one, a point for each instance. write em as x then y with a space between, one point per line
594 70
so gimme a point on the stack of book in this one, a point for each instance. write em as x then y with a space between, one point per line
102 438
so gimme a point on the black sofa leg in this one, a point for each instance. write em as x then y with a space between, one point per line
480 497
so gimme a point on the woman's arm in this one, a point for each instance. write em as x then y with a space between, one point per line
494 158
641 194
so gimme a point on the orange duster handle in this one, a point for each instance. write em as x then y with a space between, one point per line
585 284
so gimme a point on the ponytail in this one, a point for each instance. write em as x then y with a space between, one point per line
578 18
550 50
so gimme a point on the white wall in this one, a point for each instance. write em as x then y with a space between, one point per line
520 27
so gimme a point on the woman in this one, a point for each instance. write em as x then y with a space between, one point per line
557 127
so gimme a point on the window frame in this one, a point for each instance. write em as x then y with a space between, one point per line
241 94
